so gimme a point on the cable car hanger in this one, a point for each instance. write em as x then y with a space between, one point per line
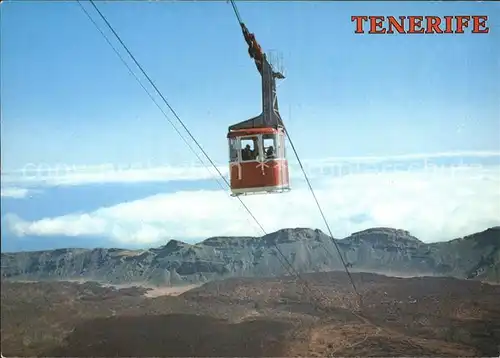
270 116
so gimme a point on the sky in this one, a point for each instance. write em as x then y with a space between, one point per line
400 131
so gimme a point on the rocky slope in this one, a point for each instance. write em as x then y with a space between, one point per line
381 250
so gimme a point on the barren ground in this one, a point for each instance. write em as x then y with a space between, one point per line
420 316
169 291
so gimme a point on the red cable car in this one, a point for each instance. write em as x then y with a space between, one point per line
257 156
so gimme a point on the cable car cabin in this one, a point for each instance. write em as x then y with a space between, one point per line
257 161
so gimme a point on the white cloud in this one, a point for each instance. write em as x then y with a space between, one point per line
15 193
432 203
409 157
71 175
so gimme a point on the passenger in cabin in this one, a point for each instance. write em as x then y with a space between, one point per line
270 152
246 153
255 153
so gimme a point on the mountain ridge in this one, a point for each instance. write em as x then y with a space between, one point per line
379 250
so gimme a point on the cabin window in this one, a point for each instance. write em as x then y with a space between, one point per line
270 146
233 149
249 148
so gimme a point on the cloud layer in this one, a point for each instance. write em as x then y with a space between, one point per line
63 174
15 193
433 203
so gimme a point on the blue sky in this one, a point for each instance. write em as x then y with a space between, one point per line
67 100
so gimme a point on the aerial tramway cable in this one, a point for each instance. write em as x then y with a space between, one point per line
291 270
236 12
145 89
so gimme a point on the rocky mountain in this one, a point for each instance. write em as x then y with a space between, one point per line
379 250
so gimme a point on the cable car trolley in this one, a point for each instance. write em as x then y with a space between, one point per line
257 155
